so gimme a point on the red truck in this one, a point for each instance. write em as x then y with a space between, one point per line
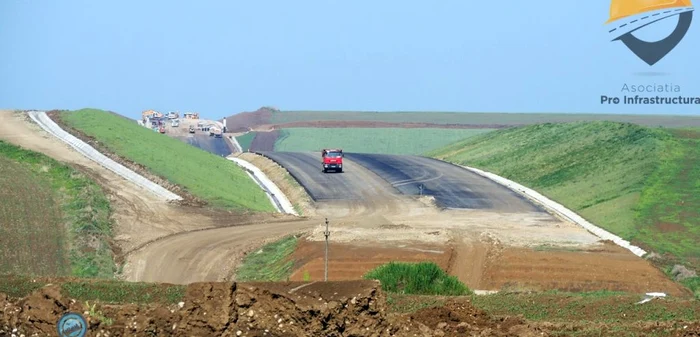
332 160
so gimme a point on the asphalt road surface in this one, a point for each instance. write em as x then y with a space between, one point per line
354 183
451 185
217 146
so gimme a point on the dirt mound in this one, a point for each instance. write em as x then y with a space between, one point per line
245 121
462 319
216 309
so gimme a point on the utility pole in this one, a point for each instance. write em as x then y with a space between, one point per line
327 234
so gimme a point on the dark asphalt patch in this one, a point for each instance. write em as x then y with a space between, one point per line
320 186
450 185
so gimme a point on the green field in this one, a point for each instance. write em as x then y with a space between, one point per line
640 183
207 176
245 140
371 140
55 220
279 117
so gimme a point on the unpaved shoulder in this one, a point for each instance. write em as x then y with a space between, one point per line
279 175
138 216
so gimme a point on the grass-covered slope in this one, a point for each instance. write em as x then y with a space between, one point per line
54 221
371 140
207 176
640 183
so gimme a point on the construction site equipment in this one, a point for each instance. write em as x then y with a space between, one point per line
332 160
215 131
191 115
191 128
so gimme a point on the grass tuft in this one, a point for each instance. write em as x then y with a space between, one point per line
424 278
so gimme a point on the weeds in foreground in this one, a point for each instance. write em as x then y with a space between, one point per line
92 312
424 278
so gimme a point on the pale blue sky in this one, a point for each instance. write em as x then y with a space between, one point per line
223 57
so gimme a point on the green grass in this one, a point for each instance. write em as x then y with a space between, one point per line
124 292
693 283
668 212
270 263
558 307
106 291
55 220
424 278
207 176
631 180
245 140
592 307
371 140
479 118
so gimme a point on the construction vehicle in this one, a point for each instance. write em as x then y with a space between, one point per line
215 131
332 160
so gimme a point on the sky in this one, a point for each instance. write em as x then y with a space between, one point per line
221 57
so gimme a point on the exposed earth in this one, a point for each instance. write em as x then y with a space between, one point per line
494 244
354 308
486 235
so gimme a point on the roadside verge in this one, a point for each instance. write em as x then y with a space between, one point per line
559 209
277 197
43 120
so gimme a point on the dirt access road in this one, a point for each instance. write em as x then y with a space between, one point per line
487 235
142 221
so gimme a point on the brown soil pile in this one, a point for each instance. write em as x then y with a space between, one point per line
462 319
348 308
245 121
354 308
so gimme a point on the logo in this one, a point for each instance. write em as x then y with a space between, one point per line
628 16
72 325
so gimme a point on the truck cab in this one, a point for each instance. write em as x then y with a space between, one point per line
332 160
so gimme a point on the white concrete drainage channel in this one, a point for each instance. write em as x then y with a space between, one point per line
43 120
276 196
559 209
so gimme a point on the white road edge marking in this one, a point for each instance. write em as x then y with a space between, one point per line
559 209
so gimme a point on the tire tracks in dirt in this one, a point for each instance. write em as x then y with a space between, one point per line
141 220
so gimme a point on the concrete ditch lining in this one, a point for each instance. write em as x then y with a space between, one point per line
43 120
560 210
276 196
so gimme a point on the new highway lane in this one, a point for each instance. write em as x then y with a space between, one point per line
364 174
